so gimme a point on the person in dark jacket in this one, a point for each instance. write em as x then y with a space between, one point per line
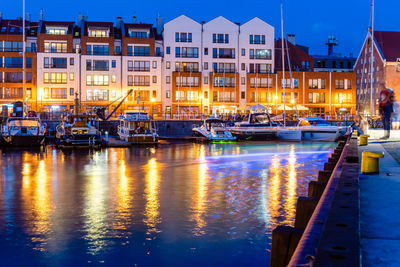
386 100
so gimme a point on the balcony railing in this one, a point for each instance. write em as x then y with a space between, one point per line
17 49
187 85
141 83
137 54
49 50
259 57
230 70
222 99
141 68
10 96
97 98
225 85
260 85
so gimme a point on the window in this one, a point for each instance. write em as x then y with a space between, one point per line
343 84
257 39
288 84
154 79
56 93
113 78
344 98
130 65
224 82
243 52
260 68
224 67
220 38
187 52
183 37
187 81
205 80
316 83
168 50
98 95
142 65
142 51
205 65
243 66
243 95
10 46
260 53
71 76
141 80
261 82
55 47
130 80
316 98
187 66
223 53
113 64
168 79
46 62
243 79
56 31
55 77
135 34
206 51
98 33
168 64
97 65
56 63
97 50
71 61
154 64
97 79
117 50
71 91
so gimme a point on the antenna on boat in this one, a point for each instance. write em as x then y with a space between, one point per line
23 58
283 70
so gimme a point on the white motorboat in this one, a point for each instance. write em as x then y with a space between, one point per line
317 129
258 126
23 132
214 130
137 128
289 133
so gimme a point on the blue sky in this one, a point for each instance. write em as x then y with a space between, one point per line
311 20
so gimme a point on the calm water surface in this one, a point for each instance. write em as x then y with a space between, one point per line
175 205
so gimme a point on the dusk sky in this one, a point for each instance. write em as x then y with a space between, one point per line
311 20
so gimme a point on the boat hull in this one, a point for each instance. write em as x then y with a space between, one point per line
140 139
24 140
289 134
80 140
254 134
320 135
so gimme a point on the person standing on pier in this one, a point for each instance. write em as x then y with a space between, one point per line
386 100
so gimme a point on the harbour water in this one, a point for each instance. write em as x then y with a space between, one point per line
180 204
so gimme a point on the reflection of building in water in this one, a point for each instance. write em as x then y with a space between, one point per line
274 192
291 184
95 206
36 201
152 214
199 197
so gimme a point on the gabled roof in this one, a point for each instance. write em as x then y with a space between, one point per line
388 44
68 24
14 27
296 54
93 24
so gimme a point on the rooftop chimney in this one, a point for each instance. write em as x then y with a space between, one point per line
134 18
119 22
41 14
28 16
291 38
159 24
1 15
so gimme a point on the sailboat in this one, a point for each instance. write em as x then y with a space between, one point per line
21 130
287 133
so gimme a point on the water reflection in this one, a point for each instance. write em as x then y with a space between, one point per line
188 204
152 214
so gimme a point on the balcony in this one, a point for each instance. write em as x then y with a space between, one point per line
50 50
187 84
18 49
140 69
141 83
222 99
230 70
97 98
138 54
10 96
260 57
225 85
260 85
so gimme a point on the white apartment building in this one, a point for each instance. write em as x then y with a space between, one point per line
212 67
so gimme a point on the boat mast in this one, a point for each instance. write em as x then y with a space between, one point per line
372 61
283 70
23 58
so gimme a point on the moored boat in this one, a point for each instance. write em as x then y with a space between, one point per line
317 129
78 131
258 126
23 132
137 128
213 130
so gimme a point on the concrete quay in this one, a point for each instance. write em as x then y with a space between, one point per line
380 204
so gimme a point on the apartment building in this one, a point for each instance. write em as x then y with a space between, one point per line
142 67
207 65
11 61
58 65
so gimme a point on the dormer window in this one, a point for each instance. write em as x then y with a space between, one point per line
99 32
138 34
56 31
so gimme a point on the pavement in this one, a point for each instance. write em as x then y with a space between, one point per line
380 204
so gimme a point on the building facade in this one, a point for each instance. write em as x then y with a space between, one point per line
178 70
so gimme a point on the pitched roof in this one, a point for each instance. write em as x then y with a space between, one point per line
297 56
388 43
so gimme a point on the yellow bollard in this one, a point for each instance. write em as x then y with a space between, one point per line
370 162
364 139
